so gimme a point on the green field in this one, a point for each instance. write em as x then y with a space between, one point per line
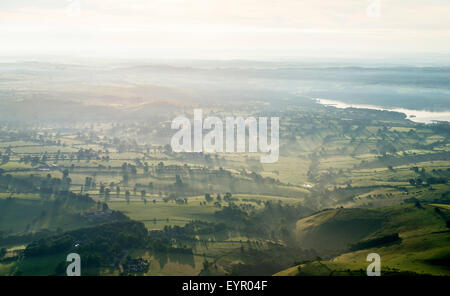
344 178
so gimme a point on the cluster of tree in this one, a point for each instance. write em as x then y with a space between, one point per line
233 213
165 245
275 220
18 184
105 241
428 181
6 239
46 187
87 154
182 240
189 230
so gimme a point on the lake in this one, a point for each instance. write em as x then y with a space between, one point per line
413 115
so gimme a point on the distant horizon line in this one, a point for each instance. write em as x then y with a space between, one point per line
443 59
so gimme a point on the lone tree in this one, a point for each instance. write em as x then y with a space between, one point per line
178 181
127 196
208 197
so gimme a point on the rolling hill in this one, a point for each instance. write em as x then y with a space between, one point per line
421 245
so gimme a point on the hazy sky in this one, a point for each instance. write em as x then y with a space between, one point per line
224 29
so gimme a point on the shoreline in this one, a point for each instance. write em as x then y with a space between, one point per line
419 116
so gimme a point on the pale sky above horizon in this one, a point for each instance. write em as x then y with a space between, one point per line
224 29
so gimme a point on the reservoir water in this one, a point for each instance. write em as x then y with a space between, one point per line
413 115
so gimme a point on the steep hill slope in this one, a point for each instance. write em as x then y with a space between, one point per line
422 245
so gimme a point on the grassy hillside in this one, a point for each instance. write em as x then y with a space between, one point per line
21 215
336 229
423 247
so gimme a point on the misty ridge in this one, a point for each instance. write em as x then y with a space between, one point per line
44 91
